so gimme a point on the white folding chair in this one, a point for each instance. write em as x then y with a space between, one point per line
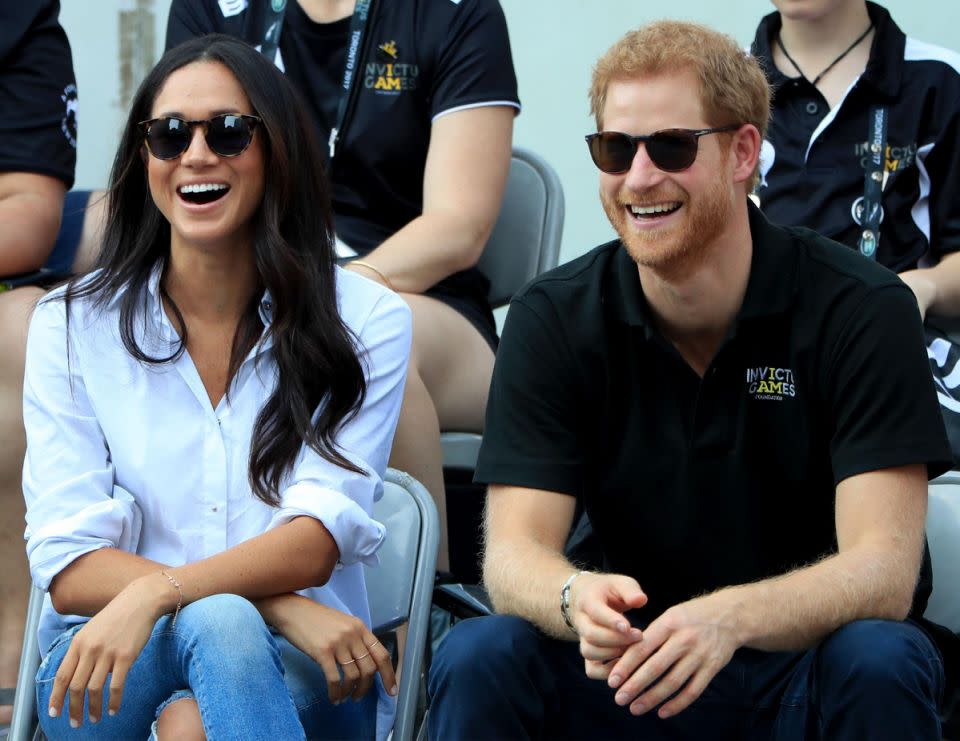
399 589
399 592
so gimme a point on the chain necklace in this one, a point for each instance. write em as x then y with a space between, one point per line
832 64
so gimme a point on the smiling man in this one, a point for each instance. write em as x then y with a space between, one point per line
725 399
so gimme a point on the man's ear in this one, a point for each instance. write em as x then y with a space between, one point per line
745 151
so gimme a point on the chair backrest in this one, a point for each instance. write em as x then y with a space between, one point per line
400 589
526 238
943 535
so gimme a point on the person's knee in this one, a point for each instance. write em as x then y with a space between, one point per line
482 649
872 657
226 615
180 721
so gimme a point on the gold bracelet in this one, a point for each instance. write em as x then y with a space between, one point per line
386 281
175 583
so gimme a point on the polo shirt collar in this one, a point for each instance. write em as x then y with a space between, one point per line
884 69
771 287
772 284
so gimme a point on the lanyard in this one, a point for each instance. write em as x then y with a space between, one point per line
358 24
873 182
348 89
271 29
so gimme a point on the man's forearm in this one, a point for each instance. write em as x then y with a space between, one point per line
797 610
524 579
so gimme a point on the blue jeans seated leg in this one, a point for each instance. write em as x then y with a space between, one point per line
500 678
223 652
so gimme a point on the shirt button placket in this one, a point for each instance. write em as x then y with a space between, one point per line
215 496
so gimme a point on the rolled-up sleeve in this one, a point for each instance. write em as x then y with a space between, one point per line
72 505
343 500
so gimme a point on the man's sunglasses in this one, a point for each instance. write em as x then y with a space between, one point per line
671 150
227 135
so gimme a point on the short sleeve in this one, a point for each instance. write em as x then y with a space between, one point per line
73 506
881 392
533 431
475 65
38 93
343 500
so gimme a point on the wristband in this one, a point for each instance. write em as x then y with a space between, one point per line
372 268
565 601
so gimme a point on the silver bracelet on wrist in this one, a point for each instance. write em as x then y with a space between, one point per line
565 601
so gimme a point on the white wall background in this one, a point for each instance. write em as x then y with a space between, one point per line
555 43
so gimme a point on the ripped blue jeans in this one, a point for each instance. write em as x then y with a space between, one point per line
248 682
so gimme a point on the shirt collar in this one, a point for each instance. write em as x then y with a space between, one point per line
771 287
884 67
154 308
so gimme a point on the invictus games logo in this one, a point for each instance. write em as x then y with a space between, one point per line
390 76
771 384
68 124
895 158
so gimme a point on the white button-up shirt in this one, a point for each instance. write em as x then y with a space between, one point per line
122 454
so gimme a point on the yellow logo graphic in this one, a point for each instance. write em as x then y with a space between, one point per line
392 78
389 48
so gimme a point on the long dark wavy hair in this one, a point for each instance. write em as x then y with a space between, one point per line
316 354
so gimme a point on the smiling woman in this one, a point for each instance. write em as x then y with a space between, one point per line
220 421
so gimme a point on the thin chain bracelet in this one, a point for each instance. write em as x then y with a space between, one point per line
175 583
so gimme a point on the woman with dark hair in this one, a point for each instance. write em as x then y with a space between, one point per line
208 416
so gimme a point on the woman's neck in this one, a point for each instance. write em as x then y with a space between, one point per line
214 287
327 11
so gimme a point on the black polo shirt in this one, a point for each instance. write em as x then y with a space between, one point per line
812 163
695 484
38 92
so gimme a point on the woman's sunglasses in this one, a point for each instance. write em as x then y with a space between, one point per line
227 135
671 150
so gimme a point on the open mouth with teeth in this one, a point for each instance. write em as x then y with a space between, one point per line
652 212
202 193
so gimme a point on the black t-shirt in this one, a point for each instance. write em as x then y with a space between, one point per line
691 484
38 92
813 160
421 59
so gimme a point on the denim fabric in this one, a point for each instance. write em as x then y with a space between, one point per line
500 678
248 682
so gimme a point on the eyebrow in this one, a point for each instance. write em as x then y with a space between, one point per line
218 112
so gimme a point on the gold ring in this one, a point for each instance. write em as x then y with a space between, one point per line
362 657
352 661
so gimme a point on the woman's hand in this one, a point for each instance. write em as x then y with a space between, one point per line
109 644
331 638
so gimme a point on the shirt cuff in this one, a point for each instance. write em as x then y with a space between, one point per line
357 535
111 523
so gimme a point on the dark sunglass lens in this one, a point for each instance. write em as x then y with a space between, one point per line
229 135
614 152
672 150
168 138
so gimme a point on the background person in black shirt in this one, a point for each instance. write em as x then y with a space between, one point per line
832 63
725 399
